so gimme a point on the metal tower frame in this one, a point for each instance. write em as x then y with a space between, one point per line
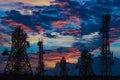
40 69
85 66
18 60
63 68
106 56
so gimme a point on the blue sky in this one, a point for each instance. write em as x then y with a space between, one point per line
80 28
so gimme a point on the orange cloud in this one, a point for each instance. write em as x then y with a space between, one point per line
64 22
115 29
60 24
40 29
72 31
54 56
36 2
114 34
33 2
4 39
75 18
62 4
14 24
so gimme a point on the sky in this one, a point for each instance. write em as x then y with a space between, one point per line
66 26
32 2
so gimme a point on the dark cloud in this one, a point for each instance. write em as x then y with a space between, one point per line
88 15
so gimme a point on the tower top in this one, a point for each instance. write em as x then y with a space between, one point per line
40 41
107 17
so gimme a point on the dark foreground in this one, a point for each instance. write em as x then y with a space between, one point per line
37 77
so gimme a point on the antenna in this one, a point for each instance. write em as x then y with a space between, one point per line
106 56
40 68
18 60
85 65
63 67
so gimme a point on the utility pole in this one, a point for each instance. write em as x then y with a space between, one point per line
18 60
41 66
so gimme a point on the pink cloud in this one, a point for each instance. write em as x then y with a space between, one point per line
12 23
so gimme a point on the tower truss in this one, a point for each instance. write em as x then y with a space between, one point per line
63 67
106 56
85 66
40 68
18 60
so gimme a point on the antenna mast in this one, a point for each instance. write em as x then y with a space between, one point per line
106 56
85 66
41 66
63 67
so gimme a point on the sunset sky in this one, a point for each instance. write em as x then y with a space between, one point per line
66 26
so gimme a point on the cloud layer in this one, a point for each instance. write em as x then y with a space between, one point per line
67 26
32 2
